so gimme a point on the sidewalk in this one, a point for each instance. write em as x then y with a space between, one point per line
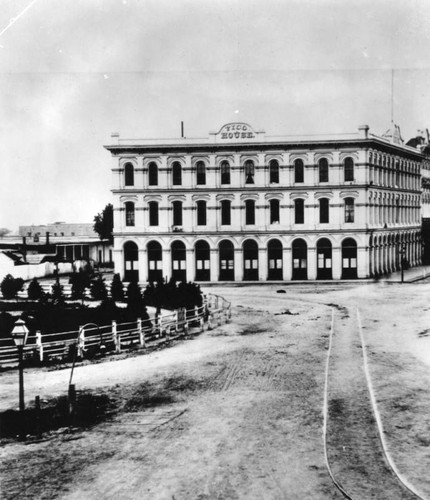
409 275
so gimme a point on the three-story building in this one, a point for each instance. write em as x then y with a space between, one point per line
244 206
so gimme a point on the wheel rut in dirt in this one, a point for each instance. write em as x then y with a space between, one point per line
354 448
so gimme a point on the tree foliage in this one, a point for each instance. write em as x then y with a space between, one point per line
57 294
10 286
35 290
103 223
98 289
80 281
172 295
4 231
117 288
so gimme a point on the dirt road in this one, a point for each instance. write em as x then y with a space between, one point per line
235 413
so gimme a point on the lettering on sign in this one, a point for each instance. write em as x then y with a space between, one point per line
236 131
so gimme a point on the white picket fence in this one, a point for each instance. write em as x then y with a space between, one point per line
92 340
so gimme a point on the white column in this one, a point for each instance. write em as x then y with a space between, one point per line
312 263
337 263
143 265
214 259
167 263
238 264
262 264
287 265
190 265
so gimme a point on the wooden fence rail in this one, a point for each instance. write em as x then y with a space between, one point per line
91 340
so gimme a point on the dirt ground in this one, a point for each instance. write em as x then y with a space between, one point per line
237 412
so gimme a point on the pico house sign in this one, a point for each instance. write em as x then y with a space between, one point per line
236 132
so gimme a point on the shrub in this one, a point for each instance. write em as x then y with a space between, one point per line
98 289
172 296
6 324
117 288
57 291
80 281
35 290
11 286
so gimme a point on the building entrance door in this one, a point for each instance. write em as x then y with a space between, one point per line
131 262
300 260
250 261
349 259
203 272
179 269
324 259
226 261
274 257
155 262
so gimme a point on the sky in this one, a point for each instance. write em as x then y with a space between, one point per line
74 71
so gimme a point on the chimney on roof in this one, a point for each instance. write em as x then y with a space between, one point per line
364 131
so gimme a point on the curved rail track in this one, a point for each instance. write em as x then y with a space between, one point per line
355 449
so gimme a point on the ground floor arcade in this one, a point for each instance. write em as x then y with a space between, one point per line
264 258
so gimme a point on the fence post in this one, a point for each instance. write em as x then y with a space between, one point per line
81 342
202 324
37 410
39 344
115 338
141 334
210 325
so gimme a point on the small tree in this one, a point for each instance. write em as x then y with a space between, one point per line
117 288
57 291
11 286
35 290
98 289
103 223
79 281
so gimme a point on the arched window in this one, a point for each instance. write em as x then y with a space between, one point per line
299 170
348 169
299 211
249 212
153 213
129 213
274 172
274 211
324 211
225 172
129 174
176 174
201 213
201 173
152 174
249 172
323 170
225 212
349 209
177 213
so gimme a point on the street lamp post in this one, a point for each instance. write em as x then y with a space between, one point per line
19 335
402 265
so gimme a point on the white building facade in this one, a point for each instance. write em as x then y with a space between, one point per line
243 206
